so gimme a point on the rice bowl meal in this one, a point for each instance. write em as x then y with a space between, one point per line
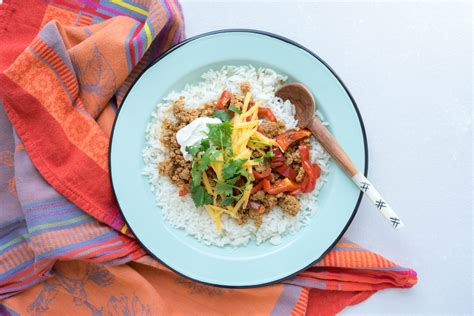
227 162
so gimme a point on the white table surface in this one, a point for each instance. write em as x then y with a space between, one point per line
409 67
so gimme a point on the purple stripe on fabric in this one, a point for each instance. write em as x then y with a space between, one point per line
12 227
63 211
34 205
13 234
348 248
163 36
5 311
22 286
140 38
124 11
97 6
394 269
59 252
85 252
78 223
287 300
45 207
51 37
119 261
317 284
127 47
15 270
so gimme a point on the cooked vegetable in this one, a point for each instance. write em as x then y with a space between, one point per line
308 168
223 115
257 187
280 186
287 171
257 206
263 174
224 100
184 190
287 138
266 112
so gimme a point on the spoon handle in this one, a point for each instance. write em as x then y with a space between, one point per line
337 153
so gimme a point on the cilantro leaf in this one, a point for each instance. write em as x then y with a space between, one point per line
233 168
193 150
235 109
204 144
196 174
200 196
220 134
224 188
230 199
223 115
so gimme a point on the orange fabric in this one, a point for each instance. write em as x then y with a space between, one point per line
81 288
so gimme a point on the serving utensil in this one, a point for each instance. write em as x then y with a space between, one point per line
305 106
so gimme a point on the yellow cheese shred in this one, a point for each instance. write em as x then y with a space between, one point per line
207 184
242 132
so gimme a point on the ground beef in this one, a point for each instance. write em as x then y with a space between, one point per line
272 129
261 167
292 155
256 154
256 217
242 216
300 174
245 87
289 204
274 177
237 100
175 166
258 196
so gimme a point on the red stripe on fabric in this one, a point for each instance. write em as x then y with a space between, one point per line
69 170
84 20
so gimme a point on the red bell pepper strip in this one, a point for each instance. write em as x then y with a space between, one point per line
276 164
287 171
308 168
279 186
305 184
224 100
257 187
289 137
277 159
317 171
184 190
261 175
266 112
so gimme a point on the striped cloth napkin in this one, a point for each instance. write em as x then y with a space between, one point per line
64 248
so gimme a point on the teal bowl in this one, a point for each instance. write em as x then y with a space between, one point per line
250 265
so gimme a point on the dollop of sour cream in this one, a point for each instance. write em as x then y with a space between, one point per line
193 133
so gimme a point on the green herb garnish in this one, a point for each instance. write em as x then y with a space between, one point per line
220 134
223 115
235 109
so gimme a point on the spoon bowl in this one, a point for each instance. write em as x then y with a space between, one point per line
302 98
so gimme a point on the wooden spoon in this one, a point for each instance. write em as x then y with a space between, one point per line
303 100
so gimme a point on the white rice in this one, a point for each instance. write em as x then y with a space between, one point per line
180 212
